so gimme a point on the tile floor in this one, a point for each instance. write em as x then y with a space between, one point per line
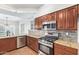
22 51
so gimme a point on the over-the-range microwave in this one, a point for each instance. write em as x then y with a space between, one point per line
49 25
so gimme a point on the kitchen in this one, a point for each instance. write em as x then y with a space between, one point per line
39 29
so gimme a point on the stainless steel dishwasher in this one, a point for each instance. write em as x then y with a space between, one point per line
21 41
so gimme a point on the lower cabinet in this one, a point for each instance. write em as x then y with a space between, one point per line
64 50
32 43
7 44
4 45
13 43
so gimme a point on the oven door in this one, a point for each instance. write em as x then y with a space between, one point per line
45 49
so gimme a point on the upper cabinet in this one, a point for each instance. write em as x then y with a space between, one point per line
46 18
66 19
71 18
49 17
38 23
61 19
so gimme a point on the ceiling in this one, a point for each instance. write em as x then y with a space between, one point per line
24 6
24 11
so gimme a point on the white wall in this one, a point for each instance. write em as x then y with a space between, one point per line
48 8
16 28
27 23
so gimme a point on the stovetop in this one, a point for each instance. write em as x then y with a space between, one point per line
48 39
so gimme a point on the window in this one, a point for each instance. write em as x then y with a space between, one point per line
22 28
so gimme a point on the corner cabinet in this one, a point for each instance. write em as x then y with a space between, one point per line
64 50
32 43
38 23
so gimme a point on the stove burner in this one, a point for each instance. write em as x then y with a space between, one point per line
49 38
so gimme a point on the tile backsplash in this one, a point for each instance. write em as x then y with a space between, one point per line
71 35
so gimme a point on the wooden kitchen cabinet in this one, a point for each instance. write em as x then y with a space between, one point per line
67 18
4 45
50 17
32 43
53 15
7 44
13 43
61 19
38 23
45 18
71 18
64 50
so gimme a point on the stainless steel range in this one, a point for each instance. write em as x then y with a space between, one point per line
46 44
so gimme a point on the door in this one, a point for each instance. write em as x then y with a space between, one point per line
32 43
71 18
12 43
61 19
38 23
4 45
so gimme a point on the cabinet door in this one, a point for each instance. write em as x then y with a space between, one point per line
35 44
13 43
64 50
28 38
32 43
49 17
61 19
7 44
38 23
58 49
71 18
53 16
4 45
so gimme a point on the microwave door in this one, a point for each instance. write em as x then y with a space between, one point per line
53 26
48 26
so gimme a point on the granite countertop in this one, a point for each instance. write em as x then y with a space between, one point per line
68 43
35 36
11 36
